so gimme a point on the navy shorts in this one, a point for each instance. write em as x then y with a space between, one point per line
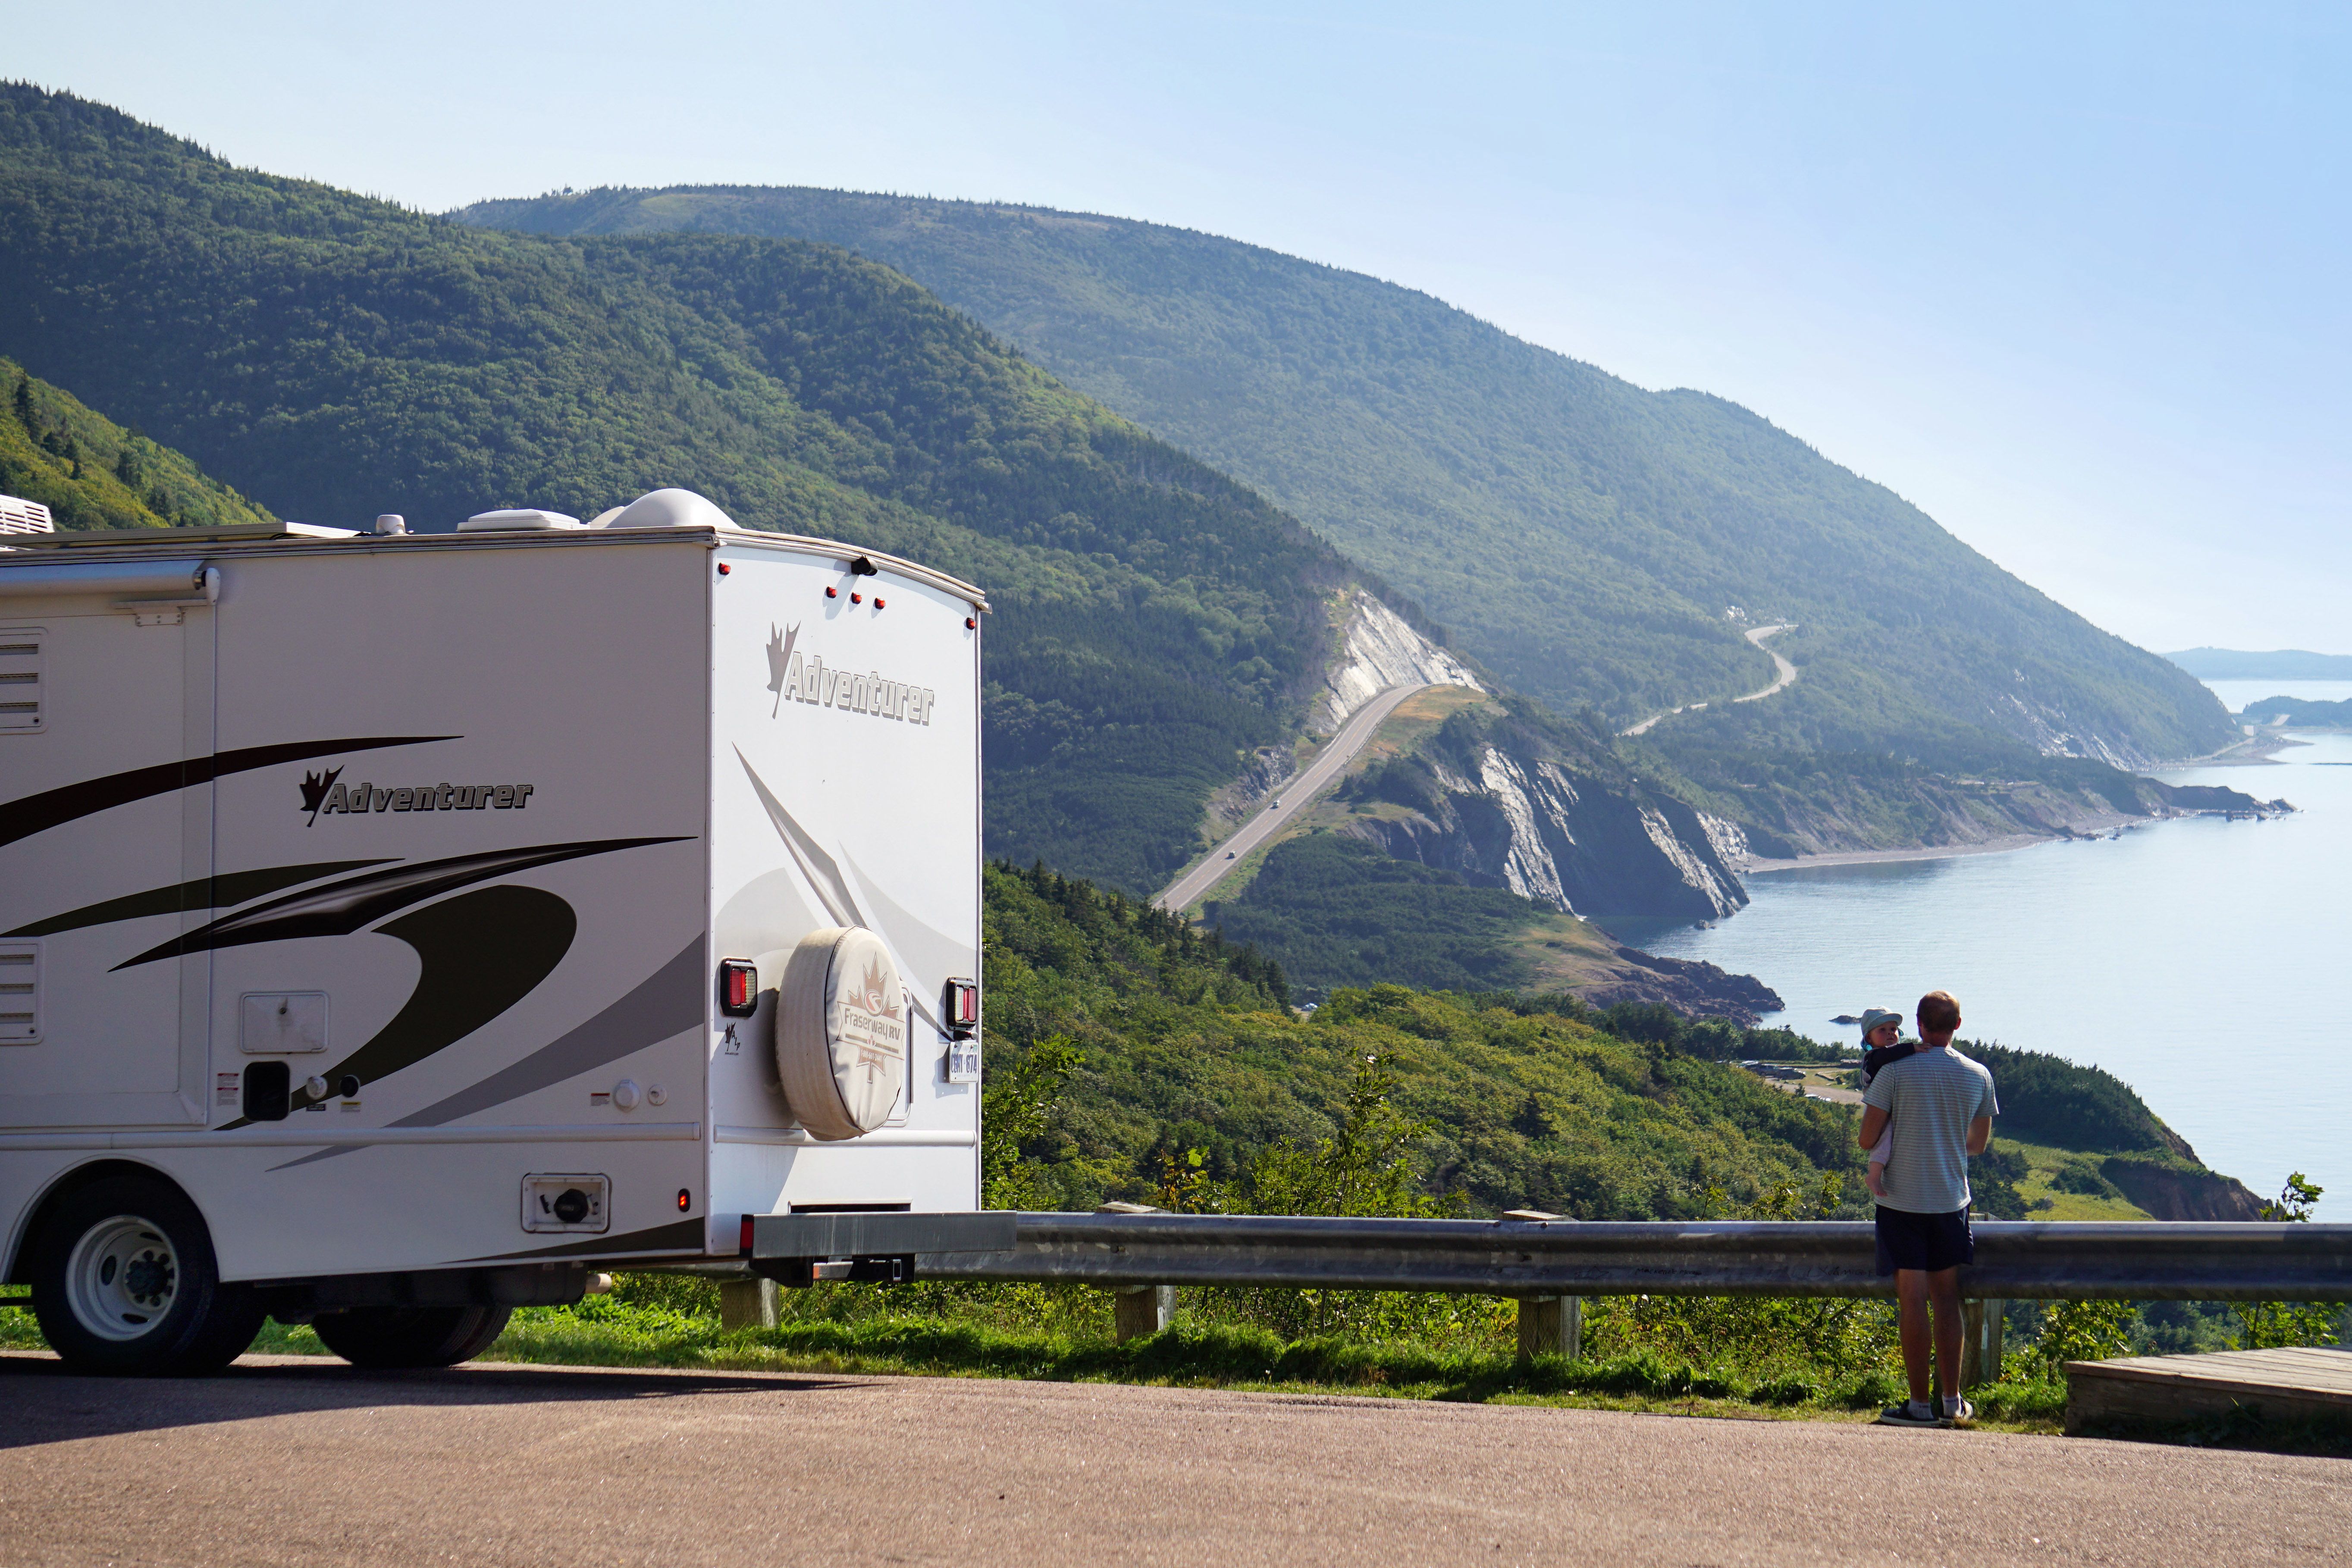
1928 1241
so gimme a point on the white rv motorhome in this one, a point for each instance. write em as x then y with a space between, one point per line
394 927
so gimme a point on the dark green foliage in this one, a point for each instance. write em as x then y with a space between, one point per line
1715 1039
2048 1100
1993 1176
2084 1179
1337 911
1584 537
346 357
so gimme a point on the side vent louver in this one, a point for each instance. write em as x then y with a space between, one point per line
20 680
20 994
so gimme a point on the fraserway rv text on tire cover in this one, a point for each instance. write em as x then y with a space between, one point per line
396 927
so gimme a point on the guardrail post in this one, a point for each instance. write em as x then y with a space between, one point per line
1137 1311
1140 1309
1551 1325
1981 1342
747 1304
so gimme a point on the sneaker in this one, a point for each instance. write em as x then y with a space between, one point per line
1910 1413
1958 1412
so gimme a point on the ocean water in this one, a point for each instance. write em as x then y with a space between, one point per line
2203 962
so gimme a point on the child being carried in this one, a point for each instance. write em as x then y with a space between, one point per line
1880 1046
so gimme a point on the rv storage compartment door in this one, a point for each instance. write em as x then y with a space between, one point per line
106 856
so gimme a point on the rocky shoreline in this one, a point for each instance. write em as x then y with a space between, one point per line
1692 987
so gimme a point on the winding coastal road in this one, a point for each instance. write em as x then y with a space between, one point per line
1289 800
1784 676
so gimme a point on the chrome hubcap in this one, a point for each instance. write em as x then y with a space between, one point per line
122 1278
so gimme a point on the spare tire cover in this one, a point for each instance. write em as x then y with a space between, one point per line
841 1033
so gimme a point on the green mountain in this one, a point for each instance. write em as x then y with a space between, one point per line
1593 542
344 357
93 473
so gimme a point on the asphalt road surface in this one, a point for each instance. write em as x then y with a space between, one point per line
285 1461
1294 797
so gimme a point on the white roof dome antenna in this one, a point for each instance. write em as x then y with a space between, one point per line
666 508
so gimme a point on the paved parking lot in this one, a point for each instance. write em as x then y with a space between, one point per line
285 1460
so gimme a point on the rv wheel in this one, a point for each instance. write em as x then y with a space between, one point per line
125 1282
410 1336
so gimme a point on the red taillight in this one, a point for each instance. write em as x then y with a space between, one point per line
877 601
685 1200
856 598
962 1007
739 987
831 593
724 569
744 1245
971 623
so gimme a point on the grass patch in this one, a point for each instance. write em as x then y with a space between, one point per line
1192 1353
2054 1175
853 1331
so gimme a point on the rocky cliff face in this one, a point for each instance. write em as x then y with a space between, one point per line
2174 1189
1510 800
1377 650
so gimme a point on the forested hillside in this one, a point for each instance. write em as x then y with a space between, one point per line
1593 541
341 357
1124 1042
1183 1044
93 473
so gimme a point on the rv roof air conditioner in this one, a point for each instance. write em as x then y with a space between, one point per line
664 509
518 520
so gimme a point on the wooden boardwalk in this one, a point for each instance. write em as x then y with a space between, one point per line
2281 1384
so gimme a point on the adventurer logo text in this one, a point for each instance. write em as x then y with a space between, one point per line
323 794
797 678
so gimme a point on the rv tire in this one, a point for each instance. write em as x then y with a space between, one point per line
410 1336
125 1283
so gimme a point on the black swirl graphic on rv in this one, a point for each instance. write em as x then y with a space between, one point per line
668 1002
481 952
24 818
477 955
342 908
224 892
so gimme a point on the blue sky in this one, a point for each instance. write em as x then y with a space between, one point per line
2072 278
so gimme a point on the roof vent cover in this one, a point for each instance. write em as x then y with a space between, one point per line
518 520
20 516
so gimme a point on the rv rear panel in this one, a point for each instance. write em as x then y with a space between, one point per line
375 889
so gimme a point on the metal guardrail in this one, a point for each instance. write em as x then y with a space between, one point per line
2154 1260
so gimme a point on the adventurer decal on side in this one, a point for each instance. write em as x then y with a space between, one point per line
324 797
